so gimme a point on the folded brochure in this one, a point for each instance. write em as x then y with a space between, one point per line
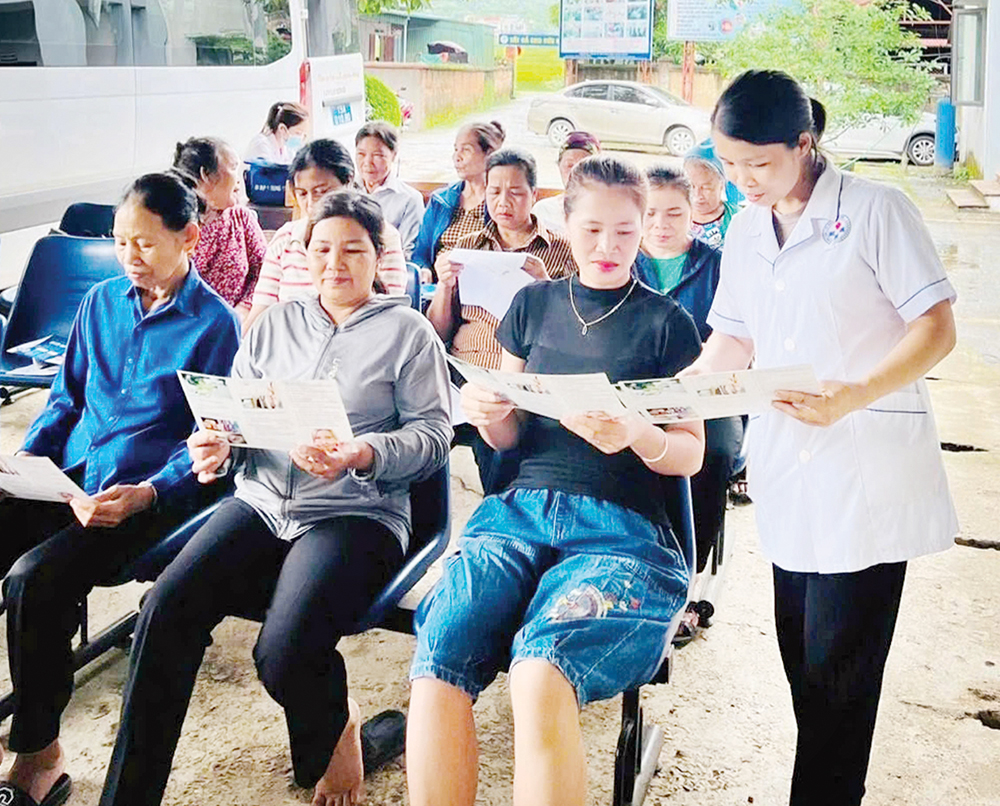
659 400
274 415
37 478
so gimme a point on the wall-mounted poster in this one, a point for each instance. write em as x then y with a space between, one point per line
605 28
715 20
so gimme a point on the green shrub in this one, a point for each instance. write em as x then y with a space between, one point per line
381 102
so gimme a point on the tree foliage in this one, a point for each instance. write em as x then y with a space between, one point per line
373 7
857 59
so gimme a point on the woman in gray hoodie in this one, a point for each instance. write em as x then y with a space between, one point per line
312 535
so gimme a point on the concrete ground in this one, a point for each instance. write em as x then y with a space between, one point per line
726 715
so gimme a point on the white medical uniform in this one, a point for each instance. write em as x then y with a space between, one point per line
871 488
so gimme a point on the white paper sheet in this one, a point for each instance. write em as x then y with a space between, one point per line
490 279
36 478
275 415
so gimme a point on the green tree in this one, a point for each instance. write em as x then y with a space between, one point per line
856 59
373 7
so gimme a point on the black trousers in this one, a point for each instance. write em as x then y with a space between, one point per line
710 486
51 564
308 593
834 632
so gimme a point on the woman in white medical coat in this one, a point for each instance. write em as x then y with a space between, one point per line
828 269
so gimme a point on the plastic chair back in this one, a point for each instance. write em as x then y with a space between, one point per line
60 271
430 519
413 285
677 497
88 220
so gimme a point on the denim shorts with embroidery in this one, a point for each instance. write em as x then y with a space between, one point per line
585 584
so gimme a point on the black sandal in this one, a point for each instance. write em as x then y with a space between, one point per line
383 737
11 795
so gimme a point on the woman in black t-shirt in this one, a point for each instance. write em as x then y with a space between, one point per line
572 574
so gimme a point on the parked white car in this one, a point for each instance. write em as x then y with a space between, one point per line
620 112
882 137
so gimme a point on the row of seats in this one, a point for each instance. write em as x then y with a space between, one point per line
60 271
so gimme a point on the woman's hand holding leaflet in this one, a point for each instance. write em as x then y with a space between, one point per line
484 408
208 452
609 433
110 507
835 400
447 271
330 464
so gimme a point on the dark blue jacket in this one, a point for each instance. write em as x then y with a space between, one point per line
437 217
697 285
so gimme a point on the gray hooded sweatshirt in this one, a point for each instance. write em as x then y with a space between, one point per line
392 374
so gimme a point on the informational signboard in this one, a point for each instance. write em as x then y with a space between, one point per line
521 40
716 20
606 28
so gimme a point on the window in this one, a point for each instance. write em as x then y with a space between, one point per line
332 27
63 33
211 32
631 95
595 92
968 55
71 33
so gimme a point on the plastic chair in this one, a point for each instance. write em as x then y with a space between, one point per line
639 743
88 220
430 532
144 569
413 285
60 271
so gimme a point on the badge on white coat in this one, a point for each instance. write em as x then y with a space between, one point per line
837 231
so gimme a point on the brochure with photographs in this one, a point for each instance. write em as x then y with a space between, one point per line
274 415
548 395
720 394
46 355
37 478
660 400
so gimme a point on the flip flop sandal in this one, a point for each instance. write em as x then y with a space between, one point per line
383 737
11 795
688 629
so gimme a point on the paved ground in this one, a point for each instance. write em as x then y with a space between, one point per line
727 714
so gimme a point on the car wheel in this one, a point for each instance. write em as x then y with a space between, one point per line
558 131
679 140
921 150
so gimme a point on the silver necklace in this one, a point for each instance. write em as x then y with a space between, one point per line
587 325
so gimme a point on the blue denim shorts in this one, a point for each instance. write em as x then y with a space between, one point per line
585 584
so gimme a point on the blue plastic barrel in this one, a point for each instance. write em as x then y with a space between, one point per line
944 141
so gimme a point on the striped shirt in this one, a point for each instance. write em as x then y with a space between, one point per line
463 223
285 274
475 340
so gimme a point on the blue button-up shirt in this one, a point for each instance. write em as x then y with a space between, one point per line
116 413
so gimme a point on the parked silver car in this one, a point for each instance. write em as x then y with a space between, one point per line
882 137
620 112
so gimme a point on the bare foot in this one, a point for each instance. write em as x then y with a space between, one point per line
35 773
343 783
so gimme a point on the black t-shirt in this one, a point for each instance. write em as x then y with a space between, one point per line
650 336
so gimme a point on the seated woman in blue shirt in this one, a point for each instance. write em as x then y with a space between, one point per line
459 209
115 422
674 263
